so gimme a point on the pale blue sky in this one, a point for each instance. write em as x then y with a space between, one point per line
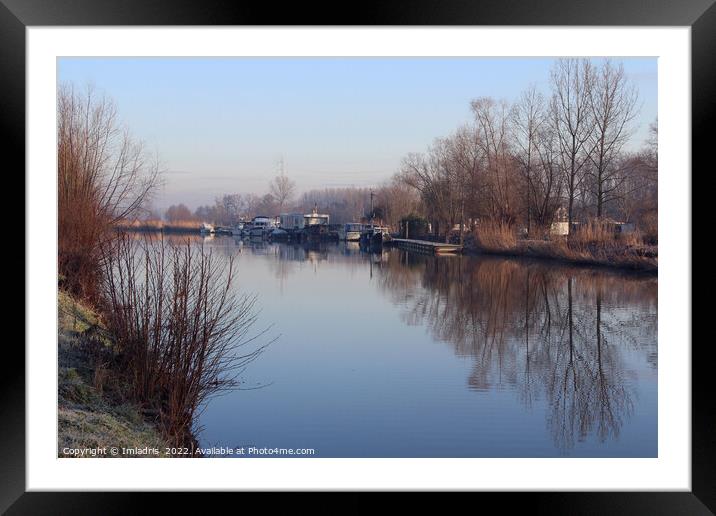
220 125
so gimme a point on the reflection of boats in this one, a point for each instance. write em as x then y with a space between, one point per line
351 248
206 228
257 245
351 231
278 234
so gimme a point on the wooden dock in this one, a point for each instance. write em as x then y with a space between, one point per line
424 246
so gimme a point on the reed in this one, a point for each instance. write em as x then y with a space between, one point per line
593 243
496 236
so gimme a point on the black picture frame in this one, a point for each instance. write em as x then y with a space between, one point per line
700 15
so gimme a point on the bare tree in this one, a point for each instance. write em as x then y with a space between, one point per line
547 177
282 189
467 156
396 200
612 100
571 81
493 125
431 175
528 115
104 176
177 213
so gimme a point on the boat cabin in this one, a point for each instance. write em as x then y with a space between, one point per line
315 219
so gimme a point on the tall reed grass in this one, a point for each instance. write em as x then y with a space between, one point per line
594 242
495 236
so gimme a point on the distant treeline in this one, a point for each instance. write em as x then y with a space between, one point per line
558 155
390 202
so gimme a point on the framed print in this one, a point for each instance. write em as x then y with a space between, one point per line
416 249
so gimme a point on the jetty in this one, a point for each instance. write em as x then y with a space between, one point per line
425 246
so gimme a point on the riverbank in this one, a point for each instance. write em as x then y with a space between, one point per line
93 413
158 226
638 258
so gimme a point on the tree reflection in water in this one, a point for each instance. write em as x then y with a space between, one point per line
544 330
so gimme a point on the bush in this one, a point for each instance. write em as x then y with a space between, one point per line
177 326
103 176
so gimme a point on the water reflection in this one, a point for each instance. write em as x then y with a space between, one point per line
542 359
554 332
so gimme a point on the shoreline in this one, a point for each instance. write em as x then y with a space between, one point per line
623 258
96 418
548 251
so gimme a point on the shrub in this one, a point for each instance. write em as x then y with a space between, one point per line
178 326
103 176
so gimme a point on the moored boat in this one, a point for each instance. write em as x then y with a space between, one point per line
351 231
373 236
237 229
260 226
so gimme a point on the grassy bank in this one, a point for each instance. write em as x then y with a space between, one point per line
591 245
92 408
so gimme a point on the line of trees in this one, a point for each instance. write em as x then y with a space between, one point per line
543 157
391 201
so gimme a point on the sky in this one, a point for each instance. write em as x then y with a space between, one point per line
221 125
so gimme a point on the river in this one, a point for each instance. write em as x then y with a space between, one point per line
397 354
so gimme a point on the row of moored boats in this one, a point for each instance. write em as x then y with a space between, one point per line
297 226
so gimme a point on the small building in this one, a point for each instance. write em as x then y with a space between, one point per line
561 228
618 227
292 221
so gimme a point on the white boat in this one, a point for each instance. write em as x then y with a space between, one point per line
260 226
206 228
350 231
375 235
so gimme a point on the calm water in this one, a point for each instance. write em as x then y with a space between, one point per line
404 355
